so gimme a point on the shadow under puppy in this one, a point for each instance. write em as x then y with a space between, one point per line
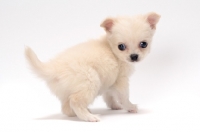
98 67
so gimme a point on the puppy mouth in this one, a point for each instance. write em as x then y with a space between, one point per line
133 61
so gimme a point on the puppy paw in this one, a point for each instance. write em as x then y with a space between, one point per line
93 118
116 107
133 108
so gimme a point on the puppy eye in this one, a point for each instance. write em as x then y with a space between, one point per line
143 44
122 47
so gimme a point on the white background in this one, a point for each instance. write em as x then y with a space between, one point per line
166 85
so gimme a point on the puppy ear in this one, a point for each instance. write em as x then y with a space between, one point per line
107 24
152 19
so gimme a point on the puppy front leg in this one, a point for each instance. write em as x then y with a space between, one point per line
111 100
126 104
122 92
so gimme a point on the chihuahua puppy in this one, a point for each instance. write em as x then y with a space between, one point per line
98 67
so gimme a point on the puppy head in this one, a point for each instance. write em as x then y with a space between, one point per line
130 37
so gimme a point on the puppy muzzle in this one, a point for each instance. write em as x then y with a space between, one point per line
134 57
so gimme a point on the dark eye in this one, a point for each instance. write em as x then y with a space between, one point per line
143 44
122 47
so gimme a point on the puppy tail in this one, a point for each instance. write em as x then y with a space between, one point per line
41 69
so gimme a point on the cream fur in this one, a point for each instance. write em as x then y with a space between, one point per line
97 67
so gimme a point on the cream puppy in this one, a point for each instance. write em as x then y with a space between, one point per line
98 67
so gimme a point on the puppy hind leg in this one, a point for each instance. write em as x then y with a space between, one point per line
84 92
79 103
67 110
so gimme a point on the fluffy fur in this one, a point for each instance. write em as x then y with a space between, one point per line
98 67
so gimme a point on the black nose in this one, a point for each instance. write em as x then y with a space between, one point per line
134 57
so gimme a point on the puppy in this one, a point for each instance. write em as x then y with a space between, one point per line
98 67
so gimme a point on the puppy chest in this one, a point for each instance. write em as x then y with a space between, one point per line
108 75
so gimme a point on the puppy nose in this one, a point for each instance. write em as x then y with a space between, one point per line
134 57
